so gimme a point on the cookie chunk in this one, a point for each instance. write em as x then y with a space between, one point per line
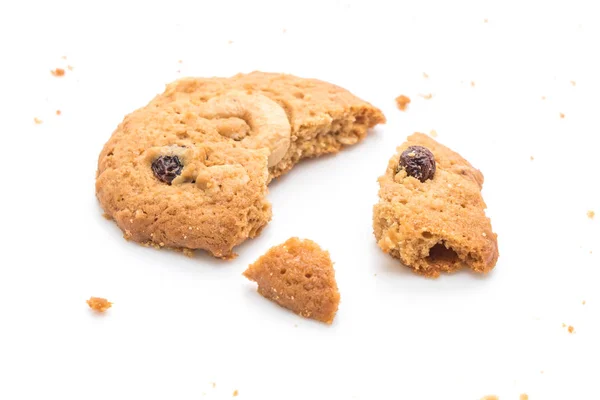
430 213
191 169
299 276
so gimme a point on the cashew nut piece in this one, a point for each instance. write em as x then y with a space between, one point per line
268 121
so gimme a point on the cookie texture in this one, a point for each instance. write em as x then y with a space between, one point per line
438 225
190 170
299 276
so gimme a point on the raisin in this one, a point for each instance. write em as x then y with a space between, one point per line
418 162
166 168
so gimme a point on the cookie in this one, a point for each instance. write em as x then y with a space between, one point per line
430 213
190 170
299 276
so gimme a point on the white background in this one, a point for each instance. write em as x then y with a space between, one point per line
180 324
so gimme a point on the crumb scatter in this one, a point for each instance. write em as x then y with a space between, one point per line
402 102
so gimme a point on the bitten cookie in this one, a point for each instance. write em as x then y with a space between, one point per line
299 276
430 213
190 170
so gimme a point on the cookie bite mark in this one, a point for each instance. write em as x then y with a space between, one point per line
299 276
436 224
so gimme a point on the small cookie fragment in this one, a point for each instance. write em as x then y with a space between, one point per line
524 396
591 214
37 121
299 276
402 102
99 304
434 222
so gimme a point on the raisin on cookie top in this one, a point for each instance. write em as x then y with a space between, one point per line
190 169
431 214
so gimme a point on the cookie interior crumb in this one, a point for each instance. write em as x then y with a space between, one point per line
573 83
562 115
402 102
473 83
235 393
571 329
433 133
426 96
58 72
37 121
591 214
425 75
524 396
98 304
299 276
58 112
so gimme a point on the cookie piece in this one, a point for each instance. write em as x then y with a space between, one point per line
219 142
438 224
299 276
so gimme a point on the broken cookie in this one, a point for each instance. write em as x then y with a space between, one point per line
430 213
190 170
299 276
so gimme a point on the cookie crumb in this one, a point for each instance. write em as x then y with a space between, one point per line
485 21
99 304
583 302
58 112
573 83
564 325
37 121
70 67
63 57
472 83
543 97
591 214
524 396
230 42
179 61
425 75
402 102
188 252
235 393
433 133
562 115
531 158
214 384
58 72
571 329
490 397
542 372
284 30
426 96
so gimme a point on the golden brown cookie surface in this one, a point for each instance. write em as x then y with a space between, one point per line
299 276
438 225
190 170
